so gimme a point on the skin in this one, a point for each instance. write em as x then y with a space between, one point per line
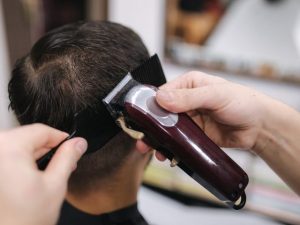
118 190
28 195
233 115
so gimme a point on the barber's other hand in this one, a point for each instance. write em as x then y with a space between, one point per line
230 114
27 195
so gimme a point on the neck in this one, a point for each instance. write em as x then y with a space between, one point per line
115 192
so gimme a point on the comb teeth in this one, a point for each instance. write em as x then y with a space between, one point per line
150 72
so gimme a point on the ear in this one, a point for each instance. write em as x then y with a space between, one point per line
142 148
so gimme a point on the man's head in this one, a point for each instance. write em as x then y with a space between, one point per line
69 69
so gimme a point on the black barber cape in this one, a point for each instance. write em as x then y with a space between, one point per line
126 216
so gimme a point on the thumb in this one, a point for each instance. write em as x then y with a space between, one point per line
65 160
182 100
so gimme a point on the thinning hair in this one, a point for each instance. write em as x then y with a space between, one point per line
69 69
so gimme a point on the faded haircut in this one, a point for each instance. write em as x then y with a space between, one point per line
69 69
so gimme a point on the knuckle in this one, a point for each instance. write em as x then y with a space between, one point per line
192 74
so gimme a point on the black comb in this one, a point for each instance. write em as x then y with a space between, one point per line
150 72
96 124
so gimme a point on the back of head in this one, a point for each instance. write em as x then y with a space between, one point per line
69 69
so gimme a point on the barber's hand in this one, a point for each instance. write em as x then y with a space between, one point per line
29 196
230 114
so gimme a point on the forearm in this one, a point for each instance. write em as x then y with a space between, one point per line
278 141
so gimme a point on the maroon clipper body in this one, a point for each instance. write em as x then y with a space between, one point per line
180 139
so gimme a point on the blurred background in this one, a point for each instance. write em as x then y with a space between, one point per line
255 43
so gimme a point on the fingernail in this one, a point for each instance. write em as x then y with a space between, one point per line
81 146
166 96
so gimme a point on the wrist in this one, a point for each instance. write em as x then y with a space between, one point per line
279 125
278 142
268 125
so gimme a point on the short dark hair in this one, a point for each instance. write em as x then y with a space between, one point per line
69 69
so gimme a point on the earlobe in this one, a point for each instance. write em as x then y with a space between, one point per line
142 147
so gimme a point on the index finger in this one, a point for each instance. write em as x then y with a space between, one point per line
192 79
34 137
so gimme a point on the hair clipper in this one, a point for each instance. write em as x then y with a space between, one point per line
179 139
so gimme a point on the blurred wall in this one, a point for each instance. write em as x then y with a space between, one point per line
17 28
6 118
147 18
